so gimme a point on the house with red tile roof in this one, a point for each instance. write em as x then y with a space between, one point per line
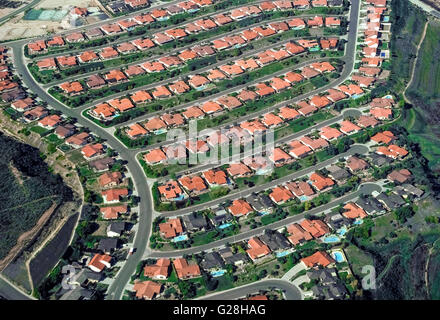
161 92
247 95
211 107
329 44
257 249
72 88
253 126
143 44
320 182
206 24
170 61
154 124
332 22
382 113
264 90
171 228
113 212
317 228
383 137
179 87
279 157
399 176
335 95
298 150
194 185
222 19
47 64
392 151
173 120
170 191
186 271
315 22
147 290
197 146
280 195
115 76
319 258
158 271
216 75
122 105
348 127
215 177
108 53
141 97
229 102
300 189
198 82
55 42
319 101
111 28
279 84
87 56
314 144
23 104
353 211
78 140
155 156
99 262
50 122
161 38
271 120
176 33
65 61
365 121
110 179
136 130
287 113
382 103
92 150
297 234
322 66
293 77
103 111
240 208
231 70
193 113
305 108
144 19
133 71
309 73
356 164
114 195
329 133
154 66
187 54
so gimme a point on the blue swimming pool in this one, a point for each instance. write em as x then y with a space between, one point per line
181 197
218 273
282 254
331 239
338 256
342 231
263 213
303 198
224 226
358 221
183 237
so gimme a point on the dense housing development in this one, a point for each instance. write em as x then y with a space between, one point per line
219 145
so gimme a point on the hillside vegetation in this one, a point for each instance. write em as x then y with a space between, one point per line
27 190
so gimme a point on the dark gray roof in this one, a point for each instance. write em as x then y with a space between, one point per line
102 164
195 222
254 201
212 260
220 219
392 201
338 173
117 227
413 190
275 240
108 244
380 160
335 3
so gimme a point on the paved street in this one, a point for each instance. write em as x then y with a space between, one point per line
145 206
290 291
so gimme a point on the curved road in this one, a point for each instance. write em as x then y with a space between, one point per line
290 291
116 289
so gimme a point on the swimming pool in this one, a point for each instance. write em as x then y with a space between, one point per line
218 273
331 239
282 254
303 198
338 256
263 213
358 221
183 237
179 198
342 231
224 226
